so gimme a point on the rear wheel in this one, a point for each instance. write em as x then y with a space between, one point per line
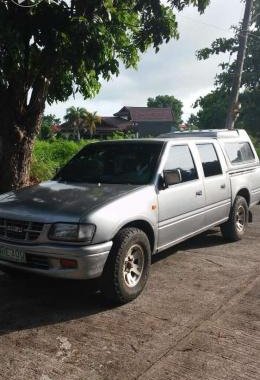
127 268
235 228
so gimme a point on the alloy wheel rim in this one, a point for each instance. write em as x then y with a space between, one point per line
133 265
240 219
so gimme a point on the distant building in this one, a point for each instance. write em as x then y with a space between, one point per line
142 121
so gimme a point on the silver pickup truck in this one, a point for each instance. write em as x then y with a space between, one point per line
118 202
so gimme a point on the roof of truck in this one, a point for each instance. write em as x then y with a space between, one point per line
207 133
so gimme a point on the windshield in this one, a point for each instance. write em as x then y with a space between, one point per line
121 163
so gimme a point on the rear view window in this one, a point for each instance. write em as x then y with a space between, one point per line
209 159
239 152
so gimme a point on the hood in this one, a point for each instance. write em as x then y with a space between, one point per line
54 201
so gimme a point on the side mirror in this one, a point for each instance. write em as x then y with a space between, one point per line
172 177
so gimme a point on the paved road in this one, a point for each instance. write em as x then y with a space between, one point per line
199 318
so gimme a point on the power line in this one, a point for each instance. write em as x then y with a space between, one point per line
204 23
214 26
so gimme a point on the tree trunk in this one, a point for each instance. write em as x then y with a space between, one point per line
16 148
20 123
15 163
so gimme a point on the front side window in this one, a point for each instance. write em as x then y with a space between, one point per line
239 152
209 159
118 163
180 158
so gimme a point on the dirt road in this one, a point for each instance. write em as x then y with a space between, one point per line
199 318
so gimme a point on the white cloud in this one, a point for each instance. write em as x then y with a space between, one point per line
174 70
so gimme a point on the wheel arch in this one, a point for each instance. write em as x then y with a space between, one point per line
143 225
244 192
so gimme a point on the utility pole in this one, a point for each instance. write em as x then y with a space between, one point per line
243 35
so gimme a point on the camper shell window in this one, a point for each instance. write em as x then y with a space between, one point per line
239 152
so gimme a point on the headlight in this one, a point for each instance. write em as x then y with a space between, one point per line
72 232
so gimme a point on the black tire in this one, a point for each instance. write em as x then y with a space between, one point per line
119 283
233 230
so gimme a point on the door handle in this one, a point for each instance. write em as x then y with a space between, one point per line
199 192
223 186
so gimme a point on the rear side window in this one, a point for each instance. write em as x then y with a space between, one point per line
239 152
210 162
180 158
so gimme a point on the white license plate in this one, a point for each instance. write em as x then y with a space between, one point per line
14 255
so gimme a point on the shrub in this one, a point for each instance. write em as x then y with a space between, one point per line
48 156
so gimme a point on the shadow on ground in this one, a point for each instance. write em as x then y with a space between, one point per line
206 239
33 302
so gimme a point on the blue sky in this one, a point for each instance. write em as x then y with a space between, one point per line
174 70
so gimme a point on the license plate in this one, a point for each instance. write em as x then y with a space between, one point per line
14 255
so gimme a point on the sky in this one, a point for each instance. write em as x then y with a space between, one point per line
174 70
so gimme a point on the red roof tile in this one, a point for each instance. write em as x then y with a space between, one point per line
147 113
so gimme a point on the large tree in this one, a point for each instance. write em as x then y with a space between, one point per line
213 107
212 110
175 104
55 49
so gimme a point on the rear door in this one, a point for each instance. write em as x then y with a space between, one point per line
180 205
216 182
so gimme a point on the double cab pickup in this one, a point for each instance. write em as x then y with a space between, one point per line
116 203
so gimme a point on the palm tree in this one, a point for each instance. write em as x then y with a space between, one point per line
91 122
75 119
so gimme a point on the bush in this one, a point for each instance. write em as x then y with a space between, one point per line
48 156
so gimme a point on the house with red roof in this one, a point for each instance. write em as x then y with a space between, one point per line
142 121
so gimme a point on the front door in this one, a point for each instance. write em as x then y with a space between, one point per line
180 206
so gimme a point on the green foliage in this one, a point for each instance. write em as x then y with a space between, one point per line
48 156
47 122
68 46
91 122
79 121
213 106
175 104
75 117
212 111
119 135
59 48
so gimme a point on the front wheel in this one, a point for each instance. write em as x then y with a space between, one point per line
127 268
235 228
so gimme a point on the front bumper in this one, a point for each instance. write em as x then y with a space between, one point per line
45 260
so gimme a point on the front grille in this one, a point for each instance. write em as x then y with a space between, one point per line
20 230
